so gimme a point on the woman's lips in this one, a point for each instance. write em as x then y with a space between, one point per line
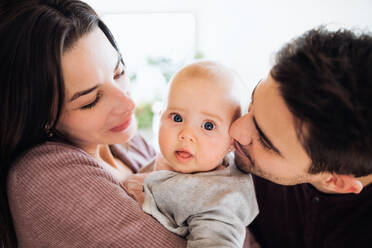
122 126
183 156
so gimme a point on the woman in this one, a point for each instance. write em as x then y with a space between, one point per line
64 99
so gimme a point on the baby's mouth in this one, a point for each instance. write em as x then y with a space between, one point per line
183 156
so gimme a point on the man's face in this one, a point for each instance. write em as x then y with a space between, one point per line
266 141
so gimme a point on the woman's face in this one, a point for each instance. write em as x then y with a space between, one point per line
97 107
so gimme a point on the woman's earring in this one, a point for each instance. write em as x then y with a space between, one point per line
48 130
229 150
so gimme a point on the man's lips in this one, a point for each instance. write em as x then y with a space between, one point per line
183 156
122 126
242 152
238 148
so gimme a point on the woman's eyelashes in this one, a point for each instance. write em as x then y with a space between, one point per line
92 104
119 72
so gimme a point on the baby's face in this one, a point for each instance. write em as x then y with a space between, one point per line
193 133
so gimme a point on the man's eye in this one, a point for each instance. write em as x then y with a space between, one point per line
208 125
263 143
176 118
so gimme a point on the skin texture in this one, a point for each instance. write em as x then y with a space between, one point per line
290 163
92 62
275 120
105 115
195 103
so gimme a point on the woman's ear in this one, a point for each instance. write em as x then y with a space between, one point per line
343 184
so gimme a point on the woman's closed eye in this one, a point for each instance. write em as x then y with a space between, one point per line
92 104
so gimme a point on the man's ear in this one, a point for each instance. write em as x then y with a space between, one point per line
343 184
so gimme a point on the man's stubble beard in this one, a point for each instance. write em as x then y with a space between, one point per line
248 165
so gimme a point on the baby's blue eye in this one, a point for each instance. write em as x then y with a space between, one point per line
177 118
208 126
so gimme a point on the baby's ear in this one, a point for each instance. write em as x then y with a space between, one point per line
343 184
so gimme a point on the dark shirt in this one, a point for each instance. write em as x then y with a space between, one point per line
300 216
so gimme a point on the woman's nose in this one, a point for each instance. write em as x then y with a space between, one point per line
240 130
186 134
124 103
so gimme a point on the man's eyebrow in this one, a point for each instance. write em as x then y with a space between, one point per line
255 87
83 92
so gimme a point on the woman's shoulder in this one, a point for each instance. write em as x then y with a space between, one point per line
49 158
52 152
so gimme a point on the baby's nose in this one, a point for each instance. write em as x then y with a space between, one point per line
186 135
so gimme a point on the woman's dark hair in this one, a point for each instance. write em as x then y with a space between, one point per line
33 36
325 79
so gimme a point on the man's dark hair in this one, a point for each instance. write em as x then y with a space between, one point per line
325 79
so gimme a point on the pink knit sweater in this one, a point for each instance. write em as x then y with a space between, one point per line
61 197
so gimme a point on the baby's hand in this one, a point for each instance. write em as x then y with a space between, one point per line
134 186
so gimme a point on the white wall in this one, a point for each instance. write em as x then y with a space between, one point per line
243 33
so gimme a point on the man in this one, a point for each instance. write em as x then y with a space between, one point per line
307 138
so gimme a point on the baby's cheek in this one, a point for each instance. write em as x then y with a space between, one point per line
213 155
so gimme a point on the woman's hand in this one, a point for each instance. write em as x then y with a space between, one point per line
134 186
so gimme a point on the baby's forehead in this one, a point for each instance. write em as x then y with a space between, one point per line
206 70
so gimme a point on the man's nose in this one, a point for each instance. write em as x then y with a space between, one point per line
186 134
240 130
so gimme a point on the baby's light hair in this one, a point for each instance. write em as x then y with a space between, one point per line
214 70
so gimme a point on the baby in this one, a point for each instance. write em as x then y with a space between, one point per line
198 193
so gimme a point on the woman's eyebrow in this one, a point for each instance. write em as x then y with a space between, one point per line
83 92
87 91
120 59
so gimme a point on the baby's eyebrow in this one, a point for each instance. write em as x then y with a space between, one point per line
213 116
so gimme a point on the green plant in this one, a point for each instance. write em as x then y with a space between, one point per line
144 115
